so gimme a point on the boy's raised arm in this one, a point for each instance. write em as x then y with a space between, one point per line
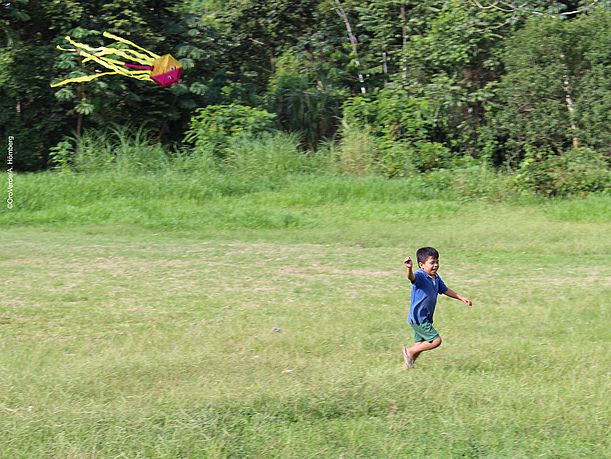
408 264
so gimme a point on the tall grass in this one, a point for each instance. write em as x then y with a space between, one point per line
358 151
121 148
121 176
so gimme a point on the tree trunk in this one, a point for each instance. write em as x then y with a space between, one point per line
404 43
385 66
571 109
566 85
340 11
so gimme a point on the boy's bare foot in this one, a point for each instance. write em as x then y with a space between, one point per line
409 362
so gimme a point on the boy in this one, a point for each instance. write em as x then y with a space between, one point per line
426 285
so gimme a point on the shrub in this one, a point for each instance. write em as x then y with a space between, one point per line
62 154
399 126
402 159
214 127
392 114
578 171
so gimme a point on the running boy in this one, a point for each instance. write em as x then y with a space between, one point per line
426 285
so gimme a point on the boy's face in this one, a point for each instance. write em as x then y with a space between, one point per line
430 266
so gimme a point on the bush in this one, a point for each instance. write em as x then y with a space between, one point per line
578 171
214 127
392 114
399 126
402 159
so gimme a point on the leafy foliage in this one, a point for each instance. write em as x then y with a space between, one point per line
213 128
392 114
402 127
445 81
553 95
305 99
577 171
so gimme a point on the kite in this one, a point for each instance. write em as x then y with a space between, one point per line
163 70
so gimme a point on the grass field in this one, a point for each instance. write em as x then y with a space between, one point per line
270 324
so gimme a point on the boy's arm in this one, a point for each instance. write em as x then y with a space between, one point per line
410 274
452 294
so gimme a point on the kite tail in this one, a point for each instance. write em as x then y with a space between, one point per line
82 79
116 67
127 42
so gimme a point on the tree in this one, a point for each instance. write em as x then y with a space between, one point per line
554 94
34 112
305 98
158 25
27 108
442 52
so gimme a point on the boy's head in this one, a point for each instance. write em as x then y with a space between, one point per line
428 259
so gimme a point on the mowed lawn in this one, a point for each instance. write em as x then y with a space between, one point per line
121 341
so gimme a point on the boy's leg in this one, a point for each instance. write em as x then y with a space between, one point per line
422 346
426 338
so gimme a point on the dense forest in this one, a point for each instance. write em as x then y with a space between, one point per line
429 82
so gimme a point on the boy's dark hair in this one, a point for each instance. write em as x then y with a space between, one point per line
424 253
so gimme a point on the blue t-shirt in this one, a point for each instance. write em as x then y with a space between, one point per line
424 297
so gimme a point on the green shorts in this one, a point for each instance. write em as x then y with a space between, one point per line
424 332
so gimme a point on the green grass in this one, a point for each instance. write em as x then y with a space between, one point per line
138 311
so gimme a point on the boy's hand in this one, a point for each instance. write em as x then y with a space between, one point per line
467 301
452 294
410 274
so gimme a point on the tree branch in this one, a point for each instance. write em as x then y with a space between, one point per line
513 7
